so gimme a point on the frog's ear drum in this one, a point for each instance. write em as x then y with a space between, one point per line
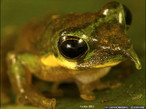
128 15
72 47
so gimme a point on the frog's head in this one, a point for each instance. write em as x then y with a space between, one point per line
99 43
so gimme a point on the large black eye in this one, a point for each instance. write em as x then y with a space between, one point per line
128 15
72 47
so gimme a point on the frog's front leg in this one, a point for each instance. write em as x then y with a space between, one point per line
55 91
20 68
86 91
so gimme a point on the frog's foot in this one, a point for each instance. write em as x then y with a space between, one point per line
107 85
22 99
86 91
37 100
88 96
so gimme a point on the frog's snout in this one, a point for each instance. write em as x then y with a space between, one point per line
133 56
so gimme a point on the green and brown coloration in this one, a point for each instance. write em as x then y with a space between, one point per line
37 52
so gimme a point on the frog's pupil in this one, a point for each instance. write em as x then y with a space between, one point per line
72 47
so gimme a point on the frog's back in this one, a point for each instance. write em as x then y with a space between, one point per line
39 35
31 33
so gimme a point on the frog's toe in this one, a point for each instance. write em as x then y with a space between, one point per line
88 97
50 104
22 99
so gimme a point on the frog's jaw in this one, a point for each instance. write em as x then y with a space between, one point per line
130 53
108 64
133 56
102 59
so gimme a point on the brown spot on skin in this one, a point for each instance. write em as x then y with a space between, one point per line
30 34
75 20
112 35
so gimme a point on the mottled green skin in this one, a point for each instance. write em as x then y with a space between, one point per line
104 34
43 34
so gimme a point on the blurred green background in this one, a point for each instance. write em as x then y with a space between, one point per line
132 90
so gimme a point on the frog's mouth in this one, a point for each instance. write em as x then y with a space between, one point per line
133 56
129 53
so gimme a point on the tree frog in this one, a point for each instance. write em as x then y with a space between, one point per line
81 47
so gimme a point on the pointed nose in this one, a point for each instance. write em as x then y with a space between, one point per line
133 56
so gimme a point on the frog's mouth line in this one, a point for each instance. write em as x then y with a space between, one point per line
133 56
109 64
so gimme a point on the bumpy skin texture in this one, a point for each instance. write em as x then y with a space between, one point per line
37 53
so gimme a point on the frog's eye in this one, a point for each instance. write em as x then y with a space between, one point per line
128 15
116 11
72 47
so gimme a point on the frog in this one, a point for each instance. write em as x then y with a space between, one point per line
81 47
